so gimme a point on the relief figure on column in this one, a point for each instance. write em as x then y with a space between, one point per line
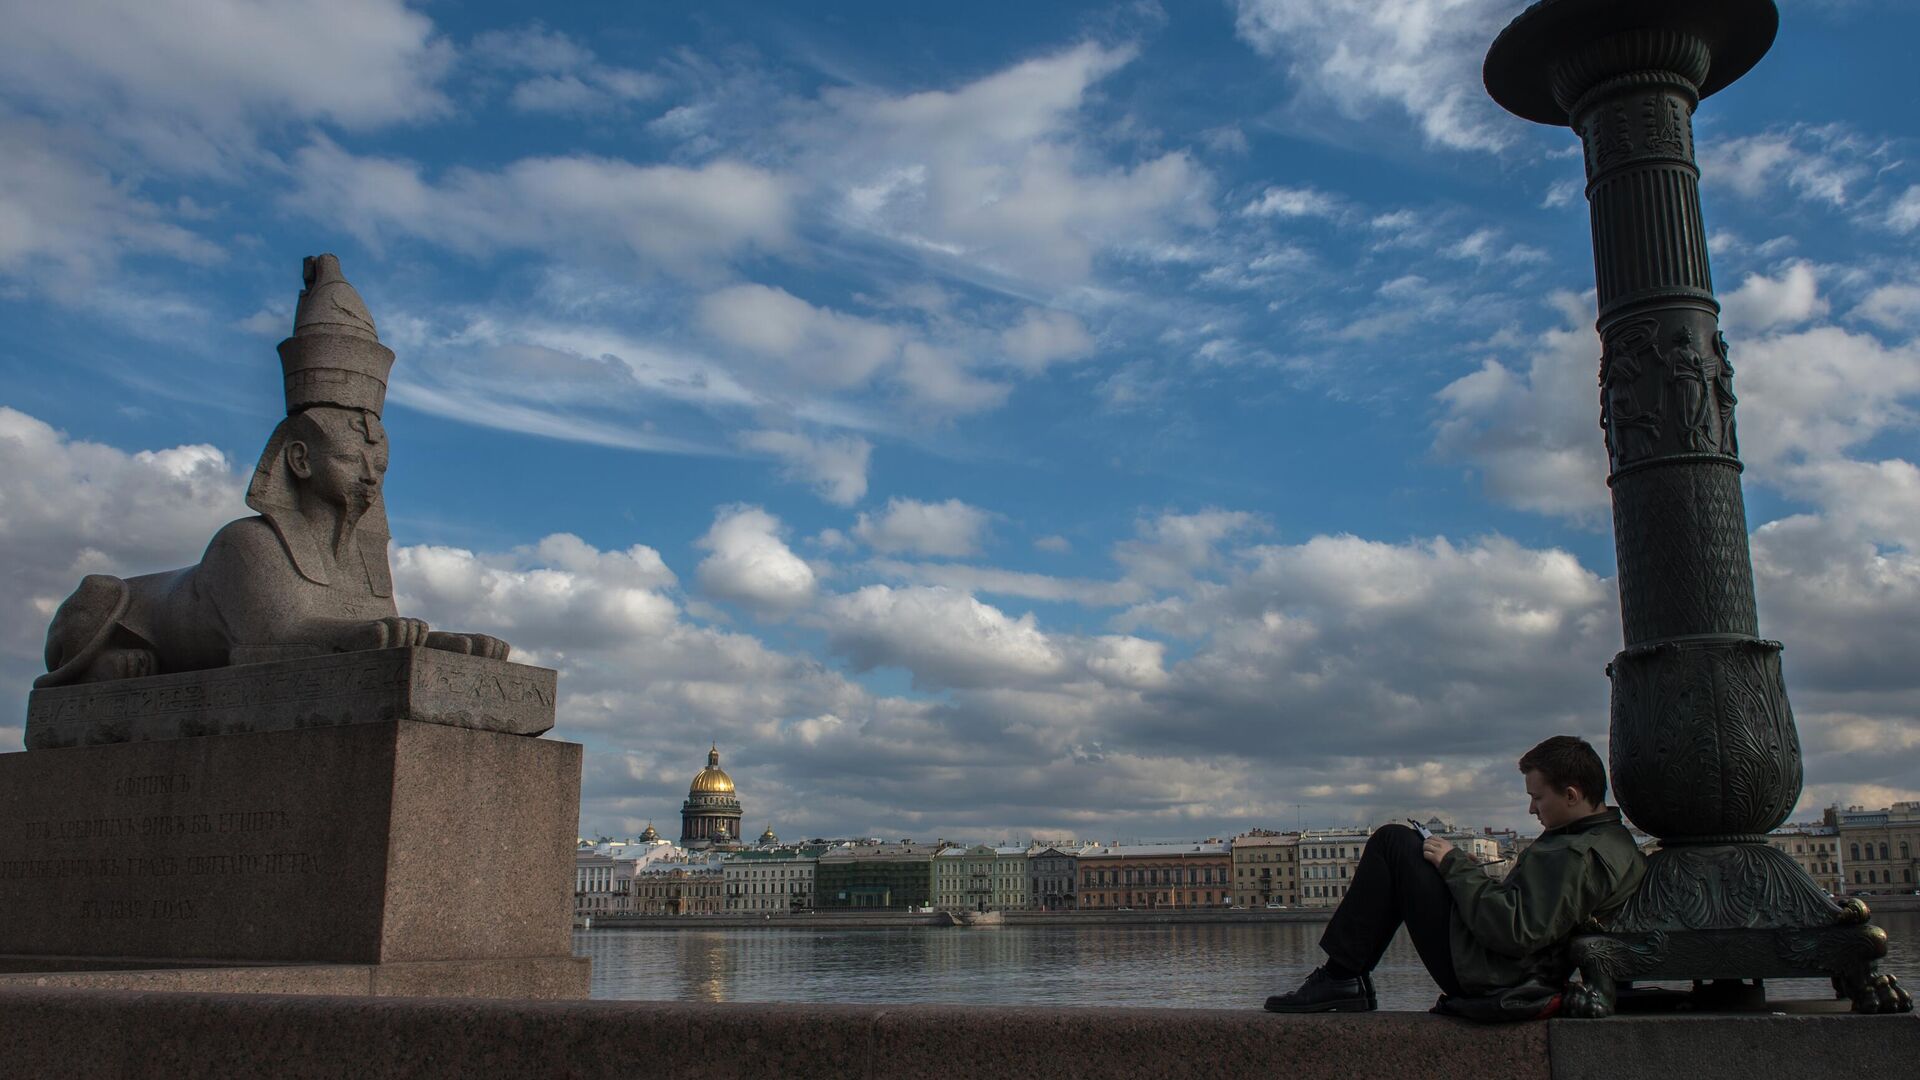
309 575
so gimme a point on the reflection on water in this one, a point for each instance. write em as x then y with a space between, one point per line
1192 966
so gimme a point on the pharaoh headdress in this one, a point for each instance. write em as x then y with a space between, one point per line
334 360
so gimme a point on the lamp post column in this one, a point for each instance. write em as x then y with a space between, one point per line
1703 748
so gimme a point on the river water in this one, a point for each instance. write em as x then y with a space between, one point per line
1198 966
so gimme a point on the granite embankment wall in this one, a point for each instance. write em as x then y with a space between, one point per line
55 1034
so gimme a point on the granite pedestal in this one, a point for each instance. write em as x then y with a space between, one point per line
417 854
429 685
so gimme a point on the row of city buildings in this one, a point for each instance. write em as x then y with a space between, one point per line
1850 852
1311 869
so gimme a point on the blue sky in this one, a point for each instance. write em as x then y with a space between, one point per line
983 421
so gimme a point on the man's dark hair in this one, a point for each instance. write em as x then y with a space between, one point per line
1568 761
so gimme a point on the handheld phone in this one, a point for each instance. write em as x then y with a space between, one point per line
1421 829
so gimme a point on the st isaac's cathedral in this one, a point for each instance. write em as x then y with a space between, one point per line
711 815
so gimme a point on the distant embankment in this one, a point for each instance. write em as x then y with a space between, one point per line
888 920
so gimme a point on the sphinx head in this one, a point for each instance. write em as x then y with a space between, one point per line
337 456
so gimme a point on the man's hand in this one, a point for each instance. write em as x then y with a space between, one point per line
1434 849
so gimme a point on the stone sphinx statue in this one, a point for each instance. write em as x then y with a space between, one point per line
309 575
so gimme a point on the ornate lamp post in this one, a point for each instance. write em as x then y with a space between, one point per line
1704 752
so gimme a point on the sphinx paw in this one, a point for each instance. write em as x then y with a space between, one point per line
481 645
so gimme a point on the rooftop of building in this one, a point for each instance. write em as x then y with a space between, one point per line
880 852
786 854
1150 851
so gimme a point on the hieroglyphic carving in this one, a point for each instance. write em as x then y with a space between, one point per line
1610 134
1666 126
251 686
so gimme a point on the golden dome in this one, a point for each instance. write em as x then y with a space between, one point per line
712 780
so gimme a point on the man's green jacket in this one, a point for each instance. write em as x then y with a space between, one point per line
1507 932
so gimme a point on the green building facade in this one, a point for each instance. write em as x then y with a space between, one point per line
892 877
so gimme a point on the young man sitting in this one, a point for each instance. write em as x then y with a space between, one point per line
1475 935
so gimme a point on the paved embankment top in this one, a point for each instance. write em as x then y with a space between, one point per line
55 1034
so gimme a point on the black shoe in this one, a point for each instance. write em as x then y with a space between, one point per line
1322 993
1373 1000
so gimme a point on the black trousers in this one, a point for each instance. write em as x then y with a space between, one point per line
1393 885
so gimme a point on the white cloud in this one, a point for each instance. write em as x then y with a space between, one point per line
943 528
1058 545
963 577
812 344
676 219
1043 337
638 567
531 48
1815 393
945 637
1128 661
938 378
1895 306
749 562
62 213
567 77
70 508
836 466
1292 202
1421 57
993 173
1904 214
935 366
1481 647
595 92
550 602
1171 548
1761 303
1843 604
1563 192
188 80
1534 435
1826 164
1875 502
1804 395
1484 246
